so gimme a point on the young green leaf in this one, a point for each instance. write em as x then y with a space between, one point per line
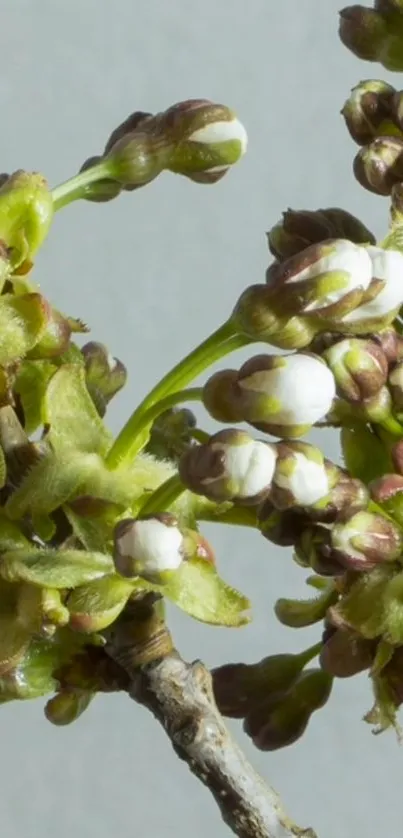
54 568
31 383
71 415
22 322
96 605
197 589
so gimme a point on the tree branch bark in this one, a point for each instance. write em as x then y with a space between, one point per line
180 696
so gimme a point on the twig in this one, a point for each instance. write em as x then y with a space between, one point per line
180 696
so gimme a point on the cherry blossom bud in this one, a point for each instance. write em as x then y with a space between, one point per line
387 491
221 397
379 165
365 540
329 278
171 434
368 110
230 466
386 292
300 228
256 317
314 549
282 717
148 546
286 395
363 31
282 527
359 366
345 654
301 478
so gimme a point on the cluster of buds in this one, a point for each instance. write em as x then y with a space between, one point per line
375 34
275 697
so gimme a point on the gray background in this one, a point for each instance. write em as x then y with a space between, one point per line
153 273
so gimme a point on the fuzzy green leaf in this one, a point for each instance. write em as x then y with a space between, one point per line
31 383
54 568
71 415
197 589
95 606
22 322
11 537
363 607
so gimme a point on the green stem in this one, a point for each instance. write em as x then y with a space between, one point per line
199 435
191 394
241 516
311 653
163 497
75 187
134 434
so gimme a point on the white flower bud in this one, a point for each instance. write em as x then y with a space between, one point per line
249 466
148 546
219 132
285 394
387 265
308 482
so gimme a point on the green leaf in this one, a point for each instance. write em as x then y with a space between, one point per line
22 322
95 606
363 607
11 537
48 484
33 676
365 456
297 613
197 589
54 568
31 383
71 414
14 641
94 532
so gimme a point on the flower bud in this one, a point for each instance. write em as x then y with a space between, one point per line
301 477
360 368
281 527
255 317
130 124
363 31
329 278
386 292
67 705
297 613
300 228
368 110
105 375
26 212
221 396
230 466
387 491
365 540
314 549
379 165
207 139
148 546
102 190
239 686
283 717
171 434
345 654
286 395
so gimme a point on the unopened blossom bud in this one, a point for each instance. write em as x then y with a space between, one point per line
302 478
385 293
379 165
148 546
55 339
285 395
391 344
314 549
256 317
387 491
207 139
230 466
360 368
363 31
130 124
327 278
102 190
221 397
345 654
67 705
105 375
366 540
387 7
368 110
282 718
240 686
171 434
300 228
282 527
26 213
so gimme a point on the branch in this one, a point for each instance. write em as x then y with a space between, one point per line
180 696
